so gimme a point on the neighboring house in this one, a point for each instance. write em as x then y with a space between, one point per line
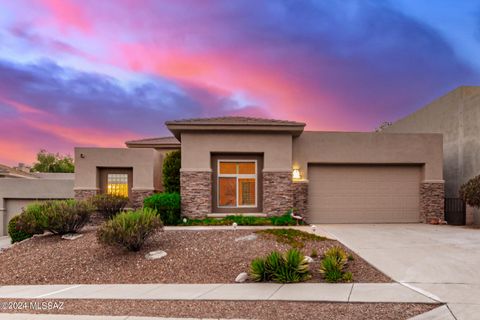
456 115
19 188
239 165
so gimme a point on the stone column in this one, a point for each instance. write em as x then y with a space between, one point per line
432 198
137 196
277 192
300 197
196 193
84 194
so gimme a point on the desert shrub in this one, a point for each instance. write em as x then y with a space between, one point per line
167 205
32 219
109 205
283 268
130 229
16 235
56 216
470 192
171 172
314 253
66 216
333 264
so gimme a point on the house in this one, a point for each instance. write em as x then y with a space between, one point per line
456 115
19 188
240 165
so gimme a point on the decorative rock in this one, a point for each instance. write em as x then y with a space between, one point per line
72 236
154 255
242 277
250 237
308 259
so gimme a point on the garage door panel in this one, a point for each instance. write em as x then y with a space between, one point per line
363 194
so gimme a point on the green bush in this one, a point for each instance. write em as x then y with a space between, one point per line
109 205
283 268
470 192
285 220
32 219
56 216
66 216
130 229
171 172
167 205
16 235
332 266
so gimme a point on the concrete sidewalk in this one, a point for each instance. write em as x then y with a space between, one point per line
345 292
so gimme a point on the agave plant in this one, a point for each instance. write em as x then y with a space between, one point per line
337 253
258 271
331 269
294 268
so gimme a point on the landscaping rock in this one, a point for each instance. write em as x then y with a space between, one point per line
154 255
250 237
72 236
242 277
308 259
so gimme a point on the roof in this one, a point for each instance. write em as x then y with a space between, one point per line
159 142
236 121
11 172
236 124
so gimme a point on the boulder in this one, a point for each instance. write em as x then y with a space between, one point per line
242 277
72 236
250 237
308 259
154 255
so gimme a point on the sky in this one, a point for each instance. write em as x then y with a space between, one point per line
98 73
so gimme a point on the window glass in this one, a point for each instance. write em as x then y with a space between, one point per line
117 184
227 192
246 192
228 167
246 167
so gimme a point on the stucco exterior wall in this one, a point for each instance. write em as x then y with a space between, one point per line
197 147
456 115
146 164
15 193
369 148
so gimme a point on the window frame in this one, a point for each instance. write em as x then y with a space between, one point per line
237 176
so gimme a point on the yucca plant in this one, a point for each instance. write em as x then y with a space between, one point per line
337 253
283 268
331 269
130 229
258 271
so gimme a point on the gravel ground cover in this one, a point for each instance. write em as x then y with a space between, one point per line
267 310
212 256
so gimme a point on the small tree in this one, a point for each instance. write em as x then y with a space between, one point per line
171 172
470 192
53 162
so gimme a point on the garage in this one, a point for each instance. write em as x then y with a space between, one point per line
364 193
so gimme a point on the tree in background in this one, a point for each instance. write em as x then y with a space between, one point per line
171 172
470 192
382 126
53 162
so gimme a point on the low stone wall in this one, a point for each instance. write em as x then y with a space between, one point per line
300 197
432 201
84 194
277 192
136 199
196 193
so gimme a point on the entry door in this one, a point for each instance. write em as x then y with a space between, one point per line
363 193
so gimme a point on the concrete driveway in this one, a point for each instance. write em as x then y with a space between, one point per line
442 261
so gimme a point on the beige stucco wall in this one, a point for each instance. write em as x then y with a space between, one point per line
197 147
373 148
146 164
15 193
457 116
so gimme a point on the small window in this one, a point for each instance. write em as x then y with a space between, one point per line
117 184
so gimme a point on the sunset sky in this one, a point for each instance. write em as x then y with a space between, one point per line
98 73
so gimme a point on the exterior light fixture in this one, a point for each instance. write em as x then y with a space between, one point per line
234 225
296 174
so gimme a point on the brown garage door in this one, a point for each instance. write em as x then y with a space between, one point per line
363 193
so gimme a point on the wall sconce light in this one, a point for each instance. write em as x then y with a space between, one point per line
82 155
296 174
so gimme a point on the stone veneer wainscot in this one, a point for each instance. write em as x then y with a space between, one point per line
277 192
300 197
84 194
196 193
431 201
